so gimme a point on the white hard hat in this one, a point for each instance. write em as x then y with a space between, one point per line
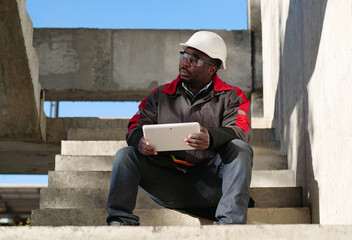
209 43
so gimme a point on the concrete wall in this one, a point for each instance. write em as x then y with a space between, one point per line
97 64
21 101
307 69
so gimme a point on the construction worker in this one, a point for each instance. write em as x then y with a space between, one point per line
211 181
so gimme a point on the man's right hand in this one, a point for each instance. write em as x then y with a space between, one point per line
145 148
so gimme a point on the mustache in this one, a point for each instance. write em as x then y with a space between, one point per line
184 69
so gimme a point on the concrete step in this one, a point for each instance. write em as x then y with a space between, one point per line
96 134
119 133
94 148
267 155
109 148
214 232
97 198
104 163
83 163
163 217
86 198
263 135
101 179
267 148
58 128
261 122
268 161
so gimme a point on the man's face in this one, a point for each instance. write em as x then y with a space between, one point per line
193 75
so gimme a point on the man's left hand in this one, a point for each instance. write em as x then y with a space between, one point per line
199 140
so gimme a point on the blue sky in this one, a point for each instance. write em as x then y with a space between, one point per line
130 14
135 14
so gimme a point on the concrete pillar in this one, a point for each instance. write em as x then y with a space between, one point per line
255 25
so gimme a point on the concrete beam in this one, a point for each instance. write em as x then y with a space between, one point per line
27 158
121 65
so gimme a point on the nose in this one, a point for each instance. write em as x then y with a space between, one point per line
184 62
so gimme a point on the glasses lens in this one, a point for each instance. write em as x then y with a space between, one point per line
190 59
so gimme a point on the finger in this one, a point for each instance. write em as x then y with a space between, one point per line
151 149
144 141
145 148
149 152
198 146
198 142
194 136
198 138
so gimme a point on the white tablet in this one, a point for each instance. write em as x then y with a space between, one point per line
170 137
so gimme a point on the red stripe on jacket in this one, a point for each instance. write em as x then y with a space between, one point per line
242 120
135 119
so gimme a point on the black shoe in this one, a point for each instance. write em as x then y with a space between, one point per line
121 222
117 223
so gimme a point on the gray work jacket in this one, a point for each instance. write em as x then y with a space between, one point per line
224 110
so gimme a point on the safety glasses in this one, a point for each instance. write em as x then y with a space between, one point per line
193 60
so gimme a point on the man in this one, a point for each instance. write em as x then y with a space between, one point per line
217 174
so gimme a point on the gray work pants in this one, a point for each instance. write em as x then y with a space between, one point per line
221 183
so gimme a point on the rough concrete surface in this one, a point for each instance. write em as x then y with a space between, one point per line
263 232
17 157
255 25
104 163
307 51
163 217
267 155
83 163
101 179
109 148
97 133
20 92
106 64
97 198
58 128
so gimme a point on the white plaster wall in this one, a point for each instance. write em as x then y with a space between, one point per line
307 70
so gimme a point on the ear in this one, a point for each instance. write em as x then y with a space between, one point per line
212 70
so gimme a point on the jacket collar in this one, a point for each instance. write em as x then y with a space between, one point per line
219 85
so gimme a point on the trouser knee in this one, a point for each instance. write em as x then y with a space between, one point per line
125 156
237 149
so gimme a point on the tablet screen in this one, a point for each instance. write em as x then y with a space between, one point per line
170 137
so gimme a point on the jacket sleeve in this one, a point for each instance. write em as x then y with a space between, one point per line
147 114
235 123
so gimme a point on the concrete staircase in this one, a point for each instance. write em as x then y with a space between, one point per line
78 188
